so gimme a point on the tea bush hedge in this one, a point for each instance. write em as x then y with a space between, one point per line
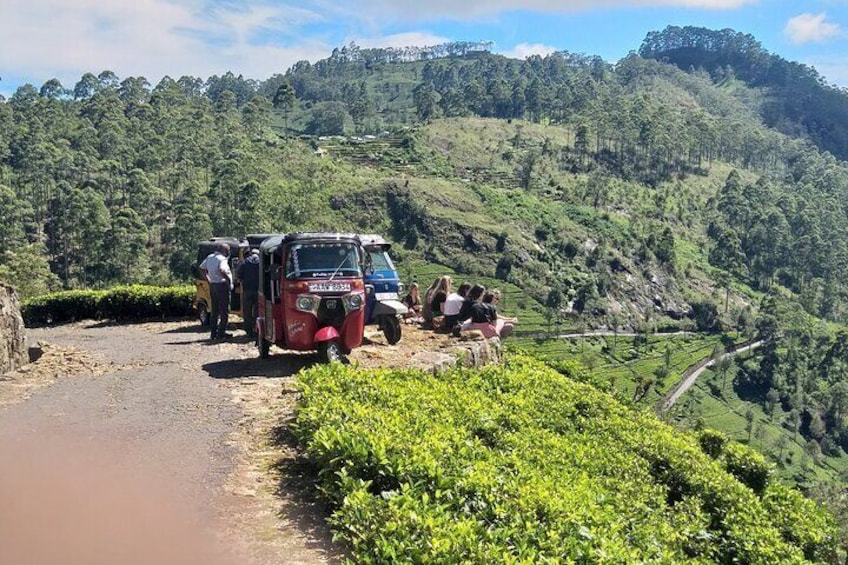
136 302
520 464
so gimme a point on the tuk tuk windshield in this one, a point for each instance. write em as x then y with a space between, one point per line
323 260
380 260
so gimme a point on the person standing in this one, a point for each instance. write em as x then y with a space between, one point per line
220 279
248 274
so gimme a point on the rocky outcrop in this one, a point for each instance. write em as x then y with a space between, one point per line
470 351
13 351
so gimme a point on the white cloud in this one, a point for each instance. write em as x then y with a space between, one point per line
524 50
394 10
407 39
810 28
151 38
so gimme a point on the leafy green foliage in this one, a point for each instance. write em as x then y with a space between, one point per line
519 463
137 302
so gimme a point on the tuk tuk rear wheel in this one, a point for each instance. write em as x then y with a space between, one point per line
391 328
264 348
202 314
331 351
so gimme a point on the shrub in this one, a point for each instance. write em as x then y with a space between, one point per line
747 465
135 302
712 443
521 464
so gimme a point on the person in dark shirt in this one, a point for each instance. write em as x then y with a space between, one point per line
248 274
413 303
484 317
463 319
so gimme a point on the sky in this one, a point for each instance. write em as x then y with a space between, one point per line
63 39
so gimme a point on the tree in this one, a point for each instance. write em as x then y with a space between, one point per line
781 443
26 269
772 398
553 304
126 242
12 211
191 225
284 99
426 101
749 422
330 118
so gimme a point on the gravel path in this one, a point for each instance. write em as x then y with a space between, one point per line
148 444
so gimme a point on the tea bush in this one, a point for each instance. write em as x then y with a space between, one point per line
134 302
521 464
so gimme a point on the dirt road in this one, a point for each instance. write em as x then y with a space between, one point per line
148 444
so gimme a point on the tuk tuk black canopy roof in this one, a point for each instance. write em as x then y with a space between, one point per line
204 248
273 242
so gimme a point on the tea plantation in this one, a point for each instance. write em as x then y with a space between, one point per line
520 463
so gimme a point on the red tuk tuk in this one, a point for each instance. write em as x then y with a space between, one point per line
311 293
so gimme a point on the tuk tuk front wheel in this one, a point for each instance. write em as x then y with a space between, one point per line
202 314
391 328
331 351
264 348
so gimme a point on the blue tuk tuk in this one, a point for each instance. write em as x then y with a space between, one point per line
382 288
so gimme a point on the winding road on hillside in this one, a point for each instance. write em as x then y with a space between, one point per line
690 376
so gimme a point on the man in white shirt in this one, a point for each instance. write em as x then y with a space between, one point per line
453 304
220 279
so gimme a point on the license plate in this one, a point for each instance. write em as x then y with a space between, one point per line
386 296
329 287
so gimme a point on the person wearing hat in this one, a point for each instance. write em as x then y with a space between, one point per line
248 273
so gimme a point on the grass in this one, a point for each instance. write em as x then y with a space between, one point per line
713 402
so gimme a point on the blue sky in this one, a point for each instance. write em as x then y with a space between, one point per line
43 39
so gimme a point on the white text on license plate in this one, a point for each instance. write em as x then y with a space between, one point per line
329 287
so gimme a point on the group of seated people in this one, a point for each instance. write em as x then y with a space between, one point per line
470 307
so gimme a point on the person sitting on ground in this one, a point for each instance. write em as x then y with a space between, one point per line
496 300
413 303
484 317
463 319
426 312
437 301
453 304
433 301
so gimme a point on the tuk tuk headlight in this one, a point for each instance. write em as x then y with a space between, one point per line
305 303
352 301
401 288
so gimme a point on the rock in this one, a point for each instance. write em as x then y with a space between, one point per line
433 360
35 352
479 353
15 353
472 335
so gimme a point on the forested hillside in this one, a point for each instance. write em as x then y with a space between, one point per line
637 154
797 100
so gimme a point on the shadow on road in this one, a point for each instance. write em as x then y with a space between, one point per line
276 366
298 487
